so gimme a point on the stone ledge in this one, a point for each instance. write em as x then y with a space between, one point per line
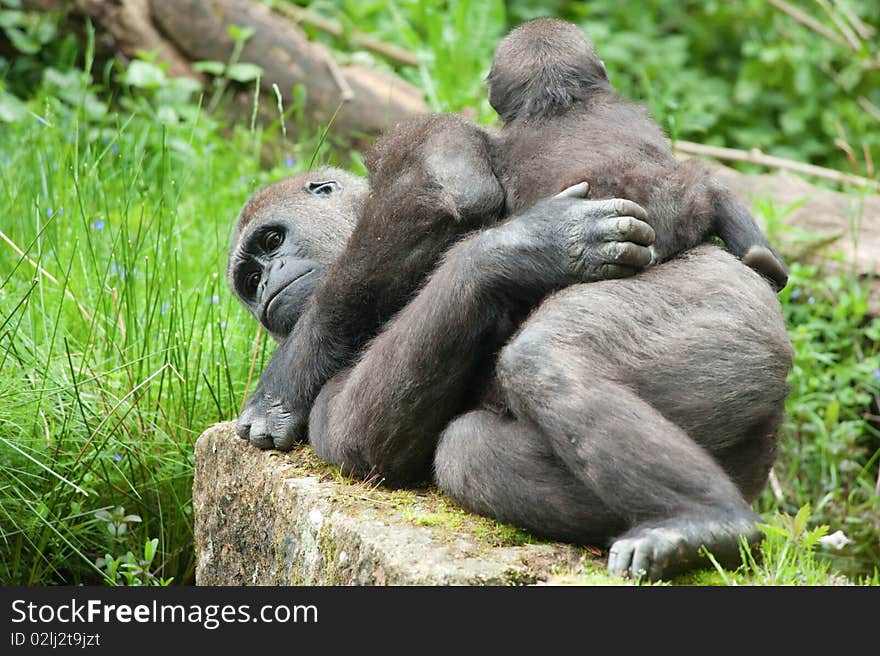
267 518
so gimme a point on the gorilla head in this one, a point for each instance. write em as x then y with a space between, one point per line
543 68
285 238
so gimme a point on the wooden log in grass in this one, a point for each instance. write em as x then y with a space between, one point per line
182 32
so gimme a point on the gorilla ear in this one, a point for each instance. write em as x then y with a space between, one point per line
324 188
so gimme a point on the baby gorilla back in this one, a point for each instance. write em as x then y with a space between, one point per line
565 124
612 144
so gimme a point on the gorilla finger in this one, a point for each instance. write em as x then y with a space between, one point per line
284 428
617 207
260 437
243 424
641 561
627 228
620 557
612 271
627 253
580 190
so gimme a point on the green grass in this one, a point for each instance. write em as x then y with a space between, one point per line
111 367
109 372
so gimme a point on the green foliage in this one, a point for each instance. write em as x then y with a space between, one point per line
788 555
119 342
831 442
232 70
788 551
27 32
454 40
130 570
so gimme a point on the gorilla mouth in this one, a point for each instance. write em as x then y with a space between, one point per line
267 308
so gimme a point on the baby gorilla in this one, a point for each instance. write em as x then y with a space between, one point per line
564 123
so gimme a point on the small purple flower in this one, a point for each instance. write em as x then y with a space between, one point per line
289 162
61 210
225 324
49 211
877 374
215 299
811 300
114 149
136 272
98 225
795 293
165 307
117 457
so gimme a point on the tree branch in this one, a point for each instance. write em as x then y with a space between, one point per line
756 156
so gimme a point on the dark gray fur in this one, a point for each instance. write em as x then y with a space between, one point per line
637 413
564 123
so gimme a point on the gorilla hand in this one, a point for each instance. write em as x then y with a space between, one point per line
276 416
608 239
569 239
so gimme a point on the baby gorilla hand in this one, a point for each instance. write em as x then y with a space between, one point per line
271 419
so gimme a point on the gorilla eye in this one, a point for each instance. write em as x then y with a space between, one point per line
324 188
252 281
272 240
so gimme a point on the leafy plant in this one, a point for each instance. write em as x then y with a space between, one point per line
233 69
117 521
131 570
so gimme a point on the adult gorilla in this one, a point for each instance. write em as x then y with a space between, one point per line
639 412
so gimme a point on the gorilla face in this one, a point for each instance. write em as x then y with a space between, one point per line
285 238
275 277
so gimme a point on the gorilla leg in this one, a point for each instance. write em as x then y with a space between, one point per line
645 469
503 467
689 205
634 391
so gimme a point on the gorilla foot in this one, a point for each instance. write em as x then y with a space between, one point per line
665 549
768 264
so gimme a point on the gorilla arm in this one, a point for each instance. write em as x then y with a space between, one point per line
430 182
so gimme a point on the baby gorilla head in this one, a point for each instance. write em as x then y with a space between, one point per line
285 238
542 68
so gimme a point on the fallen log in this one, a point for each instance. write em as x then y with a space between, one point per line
182 32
